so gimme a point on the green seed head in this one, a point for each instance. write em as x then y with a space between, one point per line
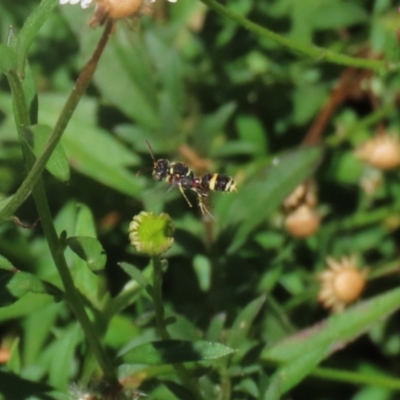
151 234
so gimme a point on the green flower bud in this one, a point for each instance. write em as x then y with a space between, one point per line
151 234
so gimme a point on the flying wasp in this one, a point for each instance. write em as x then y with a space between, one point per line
179 174
175 173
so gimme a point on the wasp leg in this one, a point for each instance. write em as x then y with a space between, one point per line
184 195
203 206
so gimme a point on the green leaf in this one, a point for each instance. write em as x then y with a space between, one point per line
175 351
243 322
36 137
178 390
336 331
28 304
5 264
212 125
133 85
339 14
266 195
8 58
296 370
135 274
30 90
90 250
273 391
85 224
62 350
16 388
250 130
14 362
93 151
30 29
14 285
215 327
38 327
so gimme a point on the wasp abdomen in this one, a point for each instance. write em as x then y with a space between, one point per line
218 182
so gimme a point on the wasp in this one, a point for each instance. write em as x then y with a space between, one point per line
179 174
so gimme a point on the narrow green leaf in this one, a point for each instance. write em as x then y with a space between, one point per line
175 351
134 83
30 90
243 322
135 274
215 327
36 137
8 58
266 195
273 391
31 28
63 349
85 224
336 331
5 264
90 250
14 362
296 370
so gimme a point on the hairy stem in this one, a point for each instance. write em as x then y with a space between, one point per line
180 370
309 50
79 89
34 182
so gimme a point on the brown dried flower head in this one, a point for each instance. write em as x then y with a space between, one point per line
341 283
303 194
302 222
115 9
382 151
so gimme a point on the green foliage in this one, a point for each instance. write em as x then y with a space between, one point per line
270 93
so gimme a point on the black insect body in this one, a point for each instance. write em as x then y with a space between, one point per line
161 169
179 174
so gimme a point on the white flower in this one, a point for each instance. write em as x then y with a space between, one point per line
84 3
87 3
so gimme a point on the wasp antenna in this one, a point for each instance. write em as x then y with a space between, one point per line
151 150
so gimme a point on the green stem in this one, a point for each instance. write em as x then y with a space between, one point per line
356 378
302 48
157 298
80 87
22 120
180 370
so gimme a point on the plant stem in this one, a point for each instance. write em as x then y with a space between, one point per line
22 120
80 87
302 48
180 370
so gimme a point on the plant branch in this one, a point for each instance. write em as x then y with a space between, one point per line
35 183
80 87
310 50
180 370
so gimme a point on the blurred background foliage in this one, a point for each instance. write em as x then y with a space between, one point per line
203 90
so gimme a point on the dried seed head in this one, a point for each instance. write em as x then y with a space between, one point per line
302 222
151 234
341 283
382 152
303 194
115 9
